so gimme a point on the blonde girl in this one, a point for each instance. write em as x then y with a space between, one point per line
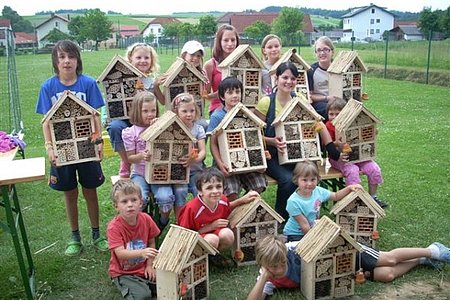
271 53
186 109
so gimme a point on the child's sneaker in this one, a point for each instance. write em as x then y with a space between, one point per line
73 248
444 252
101 244
434 263
124 171
380 202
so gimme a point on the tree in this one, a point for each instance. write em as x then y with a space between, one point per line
76 29
257 30
429 21
186 30
18 23
56 35
207 26
95 26
171 29
289 24
444 22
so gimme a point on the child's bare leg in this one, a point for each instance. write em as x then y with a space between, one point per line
212 239
71 202
399 255
373 189
389 273
226 238
92 206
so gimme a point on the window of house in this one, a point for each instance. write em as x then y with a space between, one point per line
371 31
56 24
377 31
373 10
378 20
159 30
372 21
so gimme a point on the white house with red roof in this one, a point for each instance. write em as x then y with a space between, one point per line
55 21
155 26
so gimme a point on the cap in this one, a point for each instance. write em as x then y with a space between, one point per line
192 46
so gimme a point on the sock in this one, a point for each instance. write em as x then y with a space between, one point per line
95 233
422 260
434 251
76 235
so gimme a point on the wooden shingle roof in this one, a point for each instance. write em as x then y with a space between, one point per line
230 115
321 236
160 125
67 94
304 105
348 114
290 55
365 197
237 53
344 60
119 59
240 213
177 247
177 66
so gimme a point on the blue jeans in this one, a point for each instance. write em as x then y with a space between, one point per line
192 188
168 195
115 133
145 187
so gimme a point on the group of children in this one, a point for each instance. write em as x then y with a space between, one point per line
131 234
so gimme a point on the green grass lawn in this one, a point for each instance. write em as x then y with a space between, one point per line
413 137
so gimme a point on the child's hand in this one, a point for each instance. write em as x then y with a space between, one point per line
153 121
250 196
343 157
355 187
146 155
280 144
185 161
52 158
223 168
149 253
150 273
220 223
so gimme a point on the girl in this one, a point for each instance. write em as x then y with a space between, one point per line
304 204
186 109
271 52
144 112
318 75
144 58
227 39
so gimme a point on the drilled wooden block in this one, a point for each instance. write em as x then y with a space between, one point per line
62 131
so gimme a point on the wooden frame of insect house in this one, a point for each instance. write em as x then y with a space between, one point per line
240 140
346 76
72 129
296 125
246 66
182 270
328 256
358 214
121 81
168 140
356 128
291 55
182 77
251 222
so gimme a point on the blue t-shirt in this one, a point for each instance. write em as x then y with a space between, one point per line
198 132
85 88
308 207
215 119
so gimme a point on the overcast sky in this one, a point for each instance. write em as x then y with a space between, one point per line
30 7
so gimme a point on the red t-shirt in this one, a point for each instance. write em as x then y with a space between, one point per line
331 130
120 233
195 214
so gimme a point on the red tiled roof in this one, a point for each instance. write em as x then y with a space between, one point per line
129 30
397 23
23 37
5 23
164 21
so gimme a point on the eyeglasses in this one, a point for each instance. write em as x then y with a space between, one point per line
324 50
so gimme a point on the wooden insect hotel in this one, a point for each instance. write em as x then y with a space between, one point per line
345 79
121 81
246 66
168 140
296 125
328 256
182 77
181 265
73 130
358 214
356 127
291 55
251 222
240 140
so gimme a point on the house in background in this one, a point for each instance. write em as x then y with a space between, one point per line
367 22
25 40
155 27
406 31
241 20
5 25
126 31
55 21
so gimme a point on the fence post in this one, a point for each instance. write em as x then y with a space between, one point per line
386 56
429 56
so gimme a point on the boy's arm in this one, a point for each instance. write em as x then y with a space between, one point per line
257 293
98 130
48 143
149 272
216 155
303 223
249 197
126 254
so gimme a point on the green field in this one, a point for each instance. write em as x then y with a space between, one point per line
413 137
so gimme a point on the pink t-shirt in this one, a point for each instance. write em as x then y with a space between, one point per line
132 142
216 79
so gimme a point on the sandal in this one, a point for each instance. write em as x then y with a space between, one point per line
74 248
101 244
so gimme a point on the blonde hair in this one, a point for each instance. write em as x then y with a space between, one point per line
126 187
185 98
325 40
266 39
336 104
154 65
305 169
135 112
270 251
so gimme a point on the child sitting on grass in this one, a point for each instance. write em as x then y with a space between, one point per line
131 236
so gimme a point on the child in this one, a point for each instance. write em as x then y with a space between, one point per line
68 68
271 51
280 267
348 169
230 93
144 58
304 204
227 39
188 112
132 243
208 212
143 113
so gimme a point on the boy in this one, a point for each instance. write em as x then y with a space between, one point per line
68 68
230 93
131 236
